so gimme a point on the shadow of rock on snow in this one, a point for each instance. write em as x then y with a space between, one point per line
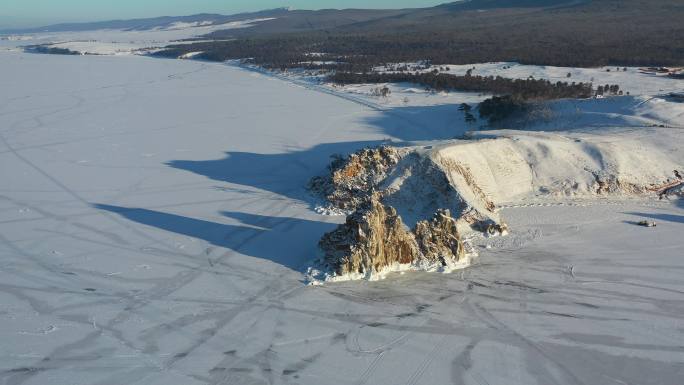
418 123
445 121
285 174
659 217
257 236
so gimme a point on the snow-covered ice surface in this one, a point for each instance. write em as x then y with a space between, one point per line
154 229
123 42
647 103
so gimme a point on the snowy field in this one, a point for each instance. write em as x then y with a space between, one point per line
122 42
154 228
646 104
632 80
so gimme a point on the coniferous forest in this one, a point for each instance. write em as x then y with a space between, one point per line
583 33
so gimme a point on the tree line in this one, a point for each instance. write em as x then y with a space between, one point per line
46 49
524 89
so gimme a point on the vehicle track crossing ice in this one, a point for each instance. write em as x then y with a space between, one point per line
155 229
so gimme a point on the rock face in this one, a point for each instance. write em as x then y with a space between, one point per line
374 238
439 190
439 238
353 179
408 179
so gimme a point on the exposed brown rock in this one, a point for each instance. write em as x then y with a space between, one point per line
610 184
671 187
374 237
425 187
439 238
353 179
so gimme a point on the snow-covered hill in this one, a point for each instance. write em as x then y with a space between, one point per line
127 41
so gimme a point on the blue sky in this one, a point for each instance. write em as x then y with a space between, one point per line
36 12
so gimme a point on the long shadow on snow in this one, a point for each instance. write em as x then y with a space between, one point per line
421 123
284 174
663 217
264 237
287 173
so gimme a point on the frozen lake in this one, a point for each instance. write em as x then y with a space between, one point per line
154 227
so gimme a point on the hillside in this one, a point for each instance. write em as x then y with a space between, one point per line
567 33
146 24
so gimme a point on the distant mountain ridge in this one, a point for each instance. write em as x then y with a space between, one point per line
492 4
150 23
289 20
385 20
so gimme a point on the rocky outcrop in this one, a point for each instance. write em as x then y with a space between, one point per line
674 187
353 179
438 239
412 180
409 204
608 184
374 238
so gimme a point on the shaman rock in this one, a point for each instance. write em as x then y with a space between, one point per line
372 238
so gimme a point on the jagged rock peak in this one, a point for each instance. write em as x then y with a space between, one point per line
374 239
353 178
439 239
371 239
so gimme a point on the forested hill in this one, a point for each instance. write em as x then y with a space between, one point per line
555 32
151 23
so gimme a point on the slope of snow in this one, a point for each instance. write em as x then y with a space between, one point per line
633 80
154 227
620 111
494 168
118 42
517 166
182 25
647 104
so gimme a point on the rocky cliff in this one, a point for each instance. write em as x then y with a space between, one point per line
415 181
439 239
374 239
409 206
351 180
